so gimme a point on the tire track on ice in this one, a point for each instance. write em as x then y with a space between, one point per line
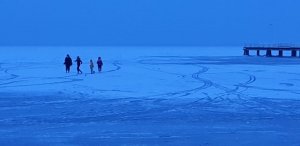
66 79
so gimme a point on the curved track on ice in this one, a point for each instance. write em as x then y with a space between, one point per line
207 109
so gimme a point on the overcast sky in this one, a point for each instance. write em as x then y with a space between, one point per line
148 22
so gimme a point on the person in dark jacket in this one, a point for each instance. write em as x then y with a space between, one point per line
100 64
79 62
68 63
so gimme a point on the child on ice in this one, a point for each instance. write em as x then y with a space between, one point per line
92 66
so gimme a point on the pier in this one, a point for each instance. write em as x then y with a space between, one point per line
269 50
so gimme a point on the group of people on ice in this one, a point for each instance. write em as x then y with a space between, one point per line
68 63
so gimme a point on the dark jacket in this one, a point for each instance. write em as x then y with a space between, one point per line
78 60
99 62
68 61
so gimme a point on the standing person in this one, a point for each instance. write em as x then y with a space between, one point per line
92 66
79 62
68 63
100 64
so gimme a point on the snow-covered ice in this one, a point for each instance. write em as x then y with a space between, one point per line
207 96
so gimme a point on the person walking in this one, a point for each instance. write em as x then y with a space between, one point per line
92 66
68 63
100 64
79 62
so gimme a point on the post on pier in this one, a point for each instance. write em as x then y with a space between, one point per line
269 52
257 53
280 54
246 52
294 53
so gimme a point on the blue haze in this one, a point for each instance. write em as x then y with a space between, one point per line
148 22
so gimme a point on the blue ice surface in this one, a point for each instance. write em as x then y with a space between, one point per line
59 120
151 99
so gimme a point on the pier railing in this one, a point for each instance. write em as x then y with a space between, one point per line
279 45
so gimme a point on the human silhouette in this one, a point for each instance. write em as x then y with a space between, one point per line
68 63
92 66
100 64
79 62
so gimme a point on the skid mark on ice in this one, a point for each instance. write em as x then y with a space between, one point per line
181 61
117 66
123 109
153 106
24 82
168 60
233 96
5 71
16 81
204 83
